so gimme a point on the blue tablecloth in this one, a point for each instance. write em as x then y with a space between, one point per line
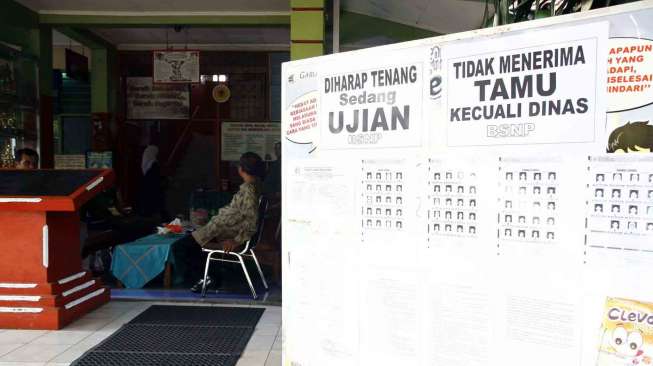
138 262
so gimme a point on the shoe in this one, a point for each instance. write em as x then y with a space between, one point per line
197 288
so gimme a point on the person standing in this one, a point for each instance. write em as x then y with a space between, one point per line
151 196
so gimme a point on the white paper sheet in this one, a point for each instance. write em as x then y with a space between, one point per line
461 203
620 206
539 207
390 317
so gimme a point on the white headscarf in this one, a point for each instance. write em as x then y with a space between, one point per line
149 158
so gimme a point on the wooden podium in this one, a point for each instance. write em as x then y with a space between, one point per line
42 284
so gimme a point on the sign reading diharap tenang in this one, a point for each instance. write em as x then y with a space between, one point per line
372 108
508 91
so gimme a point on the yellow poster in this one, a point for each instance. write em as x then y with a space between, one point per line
626 334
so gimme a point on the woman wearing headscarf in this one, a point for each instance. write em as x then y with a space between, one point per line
151 198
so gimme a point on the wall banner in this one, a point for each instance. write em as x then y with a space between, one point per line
372 108
146 100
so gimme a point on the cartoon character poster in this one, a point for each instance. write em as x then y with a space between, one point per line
626 334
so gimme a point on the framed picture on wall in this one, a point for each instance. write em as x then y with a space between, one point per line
175 67
99 159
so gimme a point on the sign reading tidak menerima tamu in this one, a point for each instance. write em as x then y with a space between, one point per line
372 108
519 90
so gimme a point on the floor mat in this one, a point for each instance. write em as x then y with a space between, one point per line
178 335
199 315
154 359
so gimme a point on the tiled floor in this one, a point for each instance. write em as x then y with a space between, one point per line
39 348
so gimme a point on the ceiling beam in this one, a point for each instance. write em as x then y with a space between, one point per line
154 19
85 37
271 47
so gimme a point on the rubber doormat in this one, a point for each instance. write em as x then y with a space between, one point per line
199 315
178 335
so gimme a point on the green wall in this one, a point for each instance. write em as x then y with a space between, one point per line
19 26
306 28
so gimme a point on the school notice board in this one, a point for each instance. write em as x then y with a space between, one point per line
483 198
241 137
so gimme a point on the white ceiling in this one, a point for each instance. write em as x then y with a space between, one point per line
157 5
131 38
440 16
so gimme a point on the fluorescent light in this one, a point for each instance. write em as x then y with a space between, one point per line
215 78
222 78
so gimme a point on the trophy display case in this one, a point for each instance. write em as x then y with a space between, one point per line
18 104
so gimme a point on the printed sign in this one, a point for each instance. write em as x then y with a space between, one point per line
303 116
76 161
300 111
630 73
146 100
176 66
372 108
509 91
241 137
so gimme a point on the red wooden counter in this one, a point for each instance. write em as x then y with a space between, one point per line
42 284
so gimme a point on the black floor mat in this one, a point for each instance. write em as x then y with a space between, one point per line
154 359
178 339
199 315
178 335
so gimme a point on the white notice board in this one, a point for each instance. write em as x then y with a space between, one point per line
450 201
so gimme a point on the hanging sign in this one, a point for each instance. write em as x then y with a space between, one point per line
176 66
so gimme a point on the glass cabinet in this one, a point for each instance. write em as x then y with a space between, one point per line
18 104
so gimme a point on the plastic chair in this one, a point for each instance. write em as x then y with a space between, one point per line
246 252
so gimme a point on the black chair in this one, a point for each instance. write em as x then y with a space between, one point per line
246 252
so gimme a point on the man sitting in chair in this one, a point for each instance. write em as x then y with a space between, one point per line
234 223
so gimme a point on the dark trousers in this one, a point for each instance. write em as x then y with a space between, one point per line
191 260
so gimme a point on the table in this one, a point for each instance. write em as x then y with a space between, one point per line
137 263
